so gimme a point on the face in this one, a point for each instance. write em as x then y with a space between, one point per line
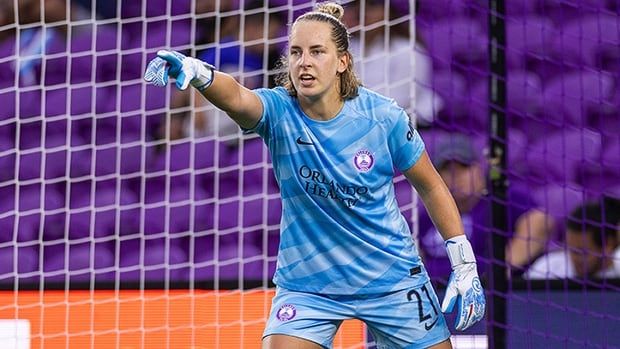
466 183
584 253
314 63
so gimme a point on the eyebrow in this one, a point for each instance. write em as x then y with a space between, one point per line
311 47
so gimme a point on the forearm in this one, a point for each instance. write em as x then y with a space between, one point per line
240 103
436 197
443 211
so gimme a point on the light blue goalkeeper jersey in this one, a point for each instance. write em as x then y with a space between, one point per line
341 231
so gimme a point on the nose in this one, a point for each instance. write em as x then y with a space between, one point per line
304 60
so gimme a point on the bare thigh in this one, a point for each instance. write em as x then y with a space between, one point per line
280 341
443 345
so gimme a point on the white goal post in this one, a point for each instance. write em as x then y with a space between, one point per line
135 216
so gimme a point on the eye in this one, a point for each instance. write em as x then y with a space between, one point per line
294 52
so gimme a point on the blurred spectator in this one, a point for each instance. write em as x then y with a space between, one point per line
244 52
387 63
103 9
592 245
36 40
7 17
461 167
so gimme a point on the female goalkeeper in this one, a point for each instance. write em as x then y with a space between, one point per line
345 249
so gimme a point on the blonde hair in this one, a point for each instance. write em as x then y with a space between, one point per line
330 13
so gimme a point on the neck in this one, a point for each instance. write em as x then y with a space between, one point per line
323 109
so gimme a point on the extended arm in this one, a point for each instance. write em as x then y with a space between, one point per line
221 89
464 287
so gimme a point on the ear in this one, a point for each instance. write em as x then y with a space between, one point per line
343 62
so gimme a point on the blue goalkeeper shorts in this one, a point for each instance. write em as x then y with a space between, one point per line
409 318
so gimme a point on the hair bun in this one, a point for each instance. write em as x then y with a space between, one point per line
331 8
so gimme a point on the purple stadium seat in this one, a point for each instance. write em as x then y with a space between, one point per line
253 151
592 40
562 11
30 198
7 67
81 101
432 138
8 192
56 134
558 157
27 263
30 165
156 8
85 64
77 265
27 228
599 177
558 200
451 86
274 211
101 221
56 101
30 102
55 164
434 10
181 7
182 203
528 40
158 36
30 135
105 222
80 163
79 193
131 97
155 98
456 40
103 59
156 262
154 219
229 263
517 149
524 91
105 161
79 225
131 128
204 217
569 99
521 8
131 159
7 134
204 154
7 163
8 102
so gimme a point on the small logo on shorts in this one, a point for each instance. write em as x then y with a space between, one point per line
286 312
363 160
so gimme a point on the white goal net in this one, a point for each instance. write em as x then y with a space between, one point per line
140 217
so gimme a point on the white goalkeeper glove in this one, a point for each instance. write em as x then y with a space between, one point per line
464 286
186 70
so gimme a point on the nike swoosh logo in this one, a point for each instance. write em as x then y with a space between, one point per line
302 142
429 326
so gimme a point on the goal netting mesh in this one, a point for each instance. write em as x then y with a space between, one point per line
141 217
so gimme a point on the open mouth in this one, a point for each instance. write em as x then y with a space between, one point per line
306 79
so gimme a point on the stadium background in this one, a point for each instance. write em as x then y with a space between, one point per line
128 221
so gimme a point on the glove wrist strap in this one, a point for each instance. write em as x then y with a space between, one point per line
460 251
204 76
